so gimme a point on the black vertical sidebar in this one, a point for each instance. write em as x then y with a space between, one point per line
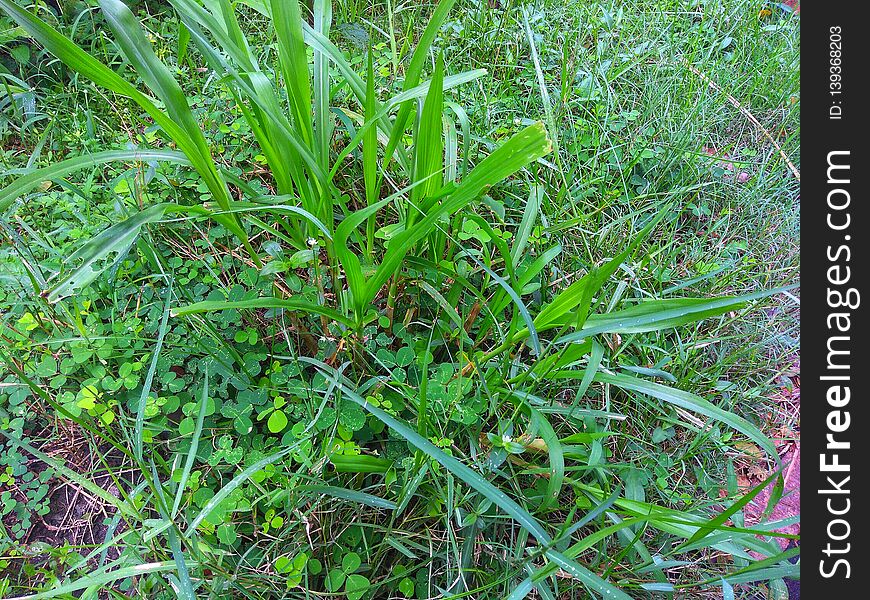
835 230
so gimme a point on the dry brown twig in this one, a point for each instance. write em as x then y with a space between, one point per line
745 112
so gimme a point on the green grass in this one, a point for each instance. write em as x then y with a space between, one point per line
370 321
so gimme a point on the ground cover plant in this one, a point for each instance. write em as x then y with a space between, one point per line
383 300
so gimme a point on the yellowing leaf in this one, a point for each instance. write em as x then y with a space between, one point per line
89 396
277 421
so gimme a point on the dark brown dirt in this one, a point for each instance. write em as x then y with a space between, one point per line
76 517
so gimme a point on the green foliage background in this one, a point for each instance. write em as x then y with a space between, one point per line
463 300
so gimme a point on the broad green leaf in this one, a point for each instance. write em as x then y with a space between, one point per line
28 181
350 562
356 586
287 20
103 578
653 315
524 147
428 147
293 304
681 398
93 258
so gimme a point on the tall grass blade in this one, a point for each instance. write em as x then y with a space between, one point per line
322 122
349 495
292 304
26 182
530 216
102 579
287 19
194 447
415 69
654 315
683 399
149 378
370 150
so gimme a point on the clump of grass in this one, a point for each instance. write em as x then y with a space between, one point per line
400 360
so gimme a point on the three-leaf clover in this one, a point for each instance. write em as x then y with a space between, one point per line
277 418
355 585
293 568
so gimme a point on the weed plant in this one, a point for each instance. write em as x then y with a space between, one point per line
344 323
